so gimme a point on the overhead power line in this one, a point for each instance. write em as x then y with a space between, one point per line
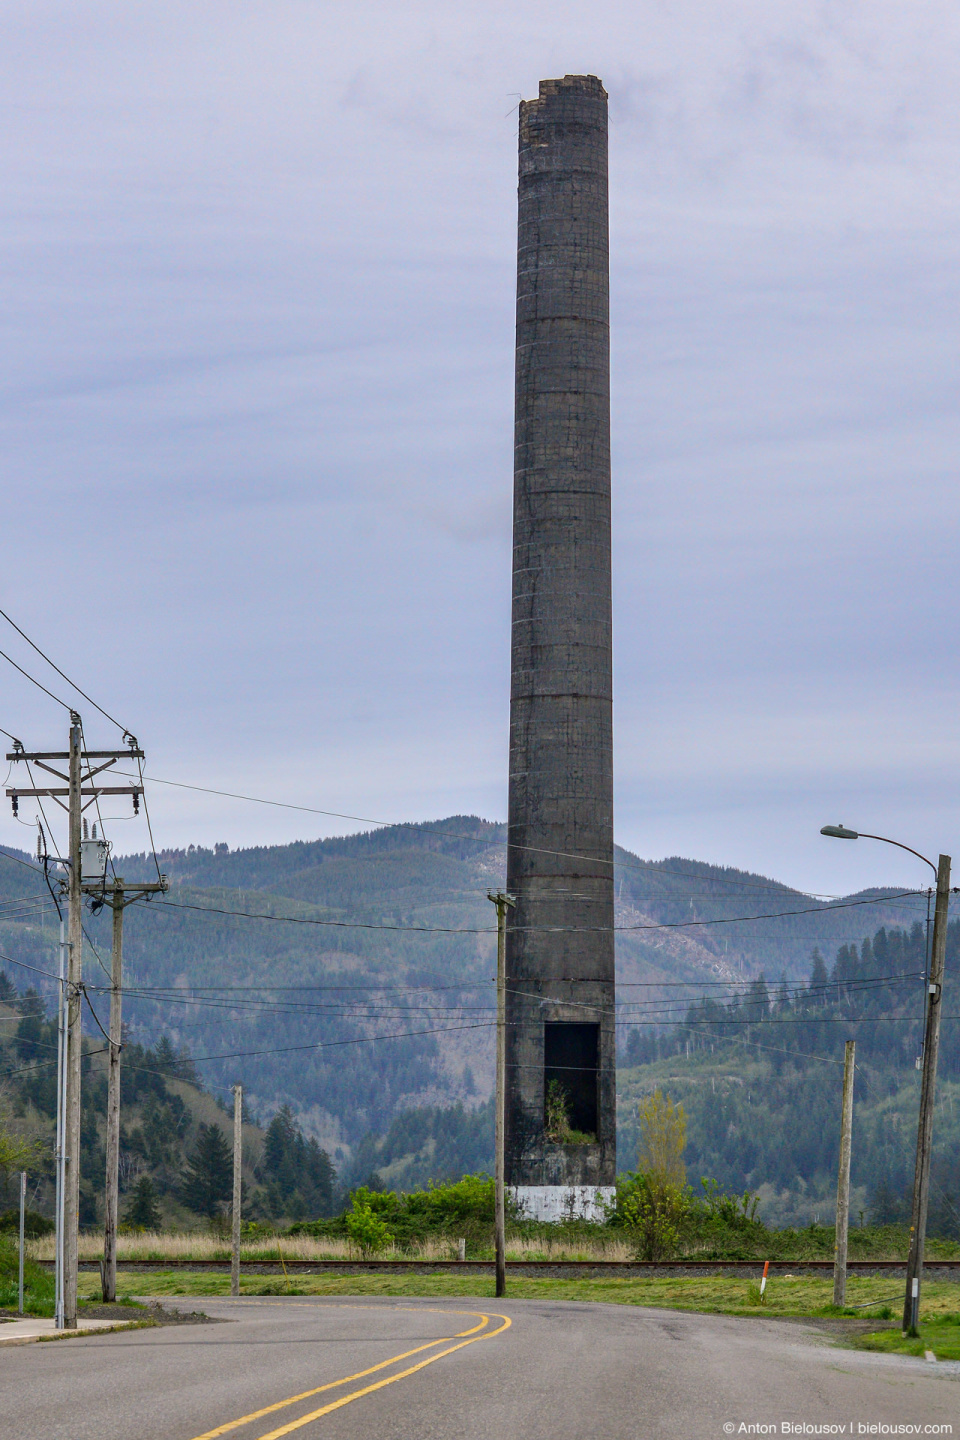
739 987
27 676
28 864
542 929
72 683
251 996
9 960
476 839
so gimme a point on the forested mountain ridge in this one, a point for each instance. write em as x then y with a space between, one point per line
393 872
375 1025
367 992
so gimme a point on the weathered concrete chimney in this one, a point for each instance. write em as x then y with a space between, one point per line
561 1053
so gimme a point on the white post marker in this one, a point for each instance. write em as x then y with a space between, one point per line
23 1206
763 1282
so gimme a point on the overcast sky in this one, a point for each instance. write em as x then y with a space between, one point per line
257 265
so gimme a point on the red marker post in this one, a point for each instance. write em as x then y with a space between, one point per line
763 1282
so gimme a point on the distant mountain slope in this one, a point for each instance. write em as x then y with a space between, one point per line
759 1075
378 947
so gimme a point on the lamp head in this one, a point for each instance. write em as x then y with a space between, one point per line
839 832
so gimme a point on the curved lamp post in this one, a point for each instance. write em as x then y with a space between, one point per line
931 1045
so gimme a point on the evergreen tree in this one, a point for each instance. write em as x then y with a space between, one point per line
758 1001
818 979
165 1055
174 1062
208 1180
143 1212
299 1175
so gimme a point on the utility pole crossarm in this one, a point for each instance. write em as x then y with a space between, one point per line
15 791
117 892
39 755
87 771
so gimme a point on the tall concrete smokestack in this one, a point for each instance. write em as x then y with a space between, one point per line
561 1051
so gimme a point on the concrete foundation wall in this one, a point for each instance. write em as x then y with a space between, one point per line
564 1202
560 956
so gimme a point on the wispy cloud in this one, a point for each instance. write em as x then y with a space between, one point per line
257 277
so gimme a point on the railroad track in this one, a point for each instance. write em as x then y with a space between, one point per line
560 1269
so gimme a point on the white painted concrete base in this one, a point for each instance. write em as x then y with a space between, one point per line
563 1202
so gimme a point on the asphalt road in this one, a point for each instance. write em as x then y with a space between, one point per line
463 1370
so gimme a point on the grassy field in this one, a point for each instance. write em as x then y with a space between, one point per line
786 1297
718 1294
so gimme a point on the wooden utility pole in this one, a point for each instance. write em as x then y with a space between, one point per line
111 1192
118 897
843 1178
61 1090
928 1086
74 796
71 1127
23 1209
237 1186
501 901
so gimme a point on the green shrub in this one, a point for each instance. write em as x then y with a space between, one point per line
654 1211
738 1212
557 1118
462 1205
34 1224
367 1230
256 1230
460 1208
38 1283
380 1202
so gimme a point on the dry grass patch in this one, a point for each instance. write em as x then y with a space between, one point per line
183 1247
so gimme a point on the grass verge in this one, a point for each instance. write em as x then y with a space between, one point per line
726 1295
38 1283
939 1333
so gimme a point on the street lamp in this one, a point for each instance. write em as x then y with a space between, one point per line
931 1045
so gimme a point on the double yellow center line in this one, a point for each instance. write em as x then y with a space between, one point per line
463 1338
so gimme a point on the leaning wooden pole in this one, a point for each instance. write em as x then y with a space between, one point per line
843 1178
